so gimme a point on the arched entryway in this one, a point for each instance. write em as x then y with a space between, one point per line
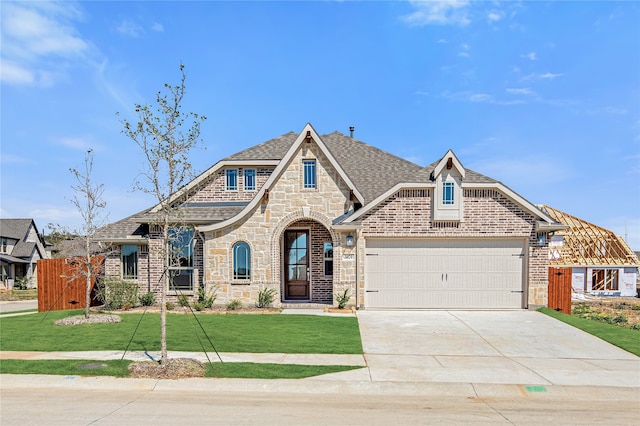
306 267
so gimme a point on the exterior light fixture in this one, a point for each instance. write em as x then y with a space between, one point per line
350 241
542 239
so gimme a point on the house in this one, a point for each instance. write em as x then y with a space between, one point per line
21 246
311 216
600 262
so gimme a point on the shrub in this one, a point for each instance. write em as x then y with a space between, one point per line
170 306
234 304
148 299
198 306
115 293
183 300
205 299
343 298
21 283
265 297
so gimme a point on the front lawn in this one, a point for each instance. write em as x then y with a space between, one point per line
119 368
624 338
228 333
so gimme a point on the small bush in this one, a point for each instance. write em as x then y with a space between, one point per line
183 300
265 297
234 305
170 306
115 293
21 283
343 298
198 306
148 299
207 299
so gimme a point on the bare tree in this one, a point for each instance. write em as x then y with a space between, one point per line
88 200
166 139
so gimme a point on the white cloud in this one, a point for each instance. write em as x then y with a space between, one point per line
545 76
521 91
129 28
442 12
485 98
35 36
531 56
495 15
157 27
76 143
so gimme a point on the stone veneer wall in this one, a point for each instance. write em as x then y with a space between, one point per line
263 230
487 213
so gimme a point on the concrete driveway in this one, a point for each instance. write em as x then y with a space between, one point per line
502 347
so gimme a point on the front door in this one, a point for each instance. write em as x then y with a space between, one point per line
296 265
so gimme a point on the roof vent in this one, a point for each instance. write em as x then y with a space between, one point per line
351 130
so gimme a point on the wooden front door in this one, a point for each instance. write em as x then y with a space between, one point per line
296 265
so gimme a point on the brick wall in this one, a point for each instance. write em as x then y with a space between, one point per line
214 189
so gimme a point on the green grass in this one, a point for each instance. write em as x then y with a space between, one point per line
624 338
249 370
119 368
228 333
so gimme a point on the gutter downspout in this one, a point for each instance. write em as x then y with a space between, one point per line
357 270
203 260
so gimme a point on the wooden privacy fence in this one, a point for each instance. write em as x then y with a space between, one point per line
560 289
61 285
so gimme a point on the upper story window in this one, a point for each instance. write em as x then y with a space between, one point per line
181 258
241 261
448 193
309 170
129 256
232 179
249 179
4 244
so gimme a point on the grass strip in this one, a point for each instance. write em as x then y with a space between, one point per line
63 367
249 370
228 333
624 338
119 368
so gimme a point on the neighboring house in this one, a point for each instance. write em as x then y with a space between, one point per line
601 262
311 216
21 246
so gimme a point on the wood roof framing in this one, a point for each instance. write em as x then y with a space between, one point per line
586 244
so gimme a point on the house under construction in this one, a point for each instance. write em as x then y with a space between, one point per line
601 262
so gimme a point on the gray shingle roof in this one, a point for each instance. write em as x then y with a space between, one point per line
372 171
14 228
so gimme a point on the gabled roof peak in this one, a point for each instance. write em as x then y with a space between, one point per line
448 162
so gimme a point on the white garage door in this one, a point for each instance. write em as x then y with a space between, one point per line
444 274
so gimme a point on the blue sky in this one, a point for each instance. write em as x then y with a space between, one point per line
543 96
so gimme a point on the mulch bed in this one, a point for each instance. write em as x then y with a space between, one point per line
176 368
614 310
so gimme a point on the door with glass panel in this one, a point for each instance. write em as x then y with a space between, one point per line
296 265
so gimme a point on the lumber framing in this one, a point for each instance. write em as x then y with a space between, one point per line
586 244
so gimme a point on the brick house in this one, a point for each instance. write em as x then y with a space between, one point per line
310 216
21 246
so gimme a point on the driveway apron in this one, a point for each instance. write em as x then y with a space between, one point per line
502 347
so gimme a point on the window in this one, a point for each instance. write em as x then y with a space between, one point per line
241 261
328 259
3 245
232 179
129 256
249 179
309 169
181 259
448 189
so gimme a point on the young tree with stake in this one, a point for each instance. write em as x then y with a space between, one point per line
166 138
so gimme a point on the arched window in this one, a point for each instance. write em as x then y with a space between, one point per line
241 261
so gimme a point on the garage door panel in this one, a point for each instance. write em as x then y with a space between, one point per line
449 274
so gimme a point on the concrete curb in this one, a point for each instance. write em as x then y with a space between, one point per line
306 386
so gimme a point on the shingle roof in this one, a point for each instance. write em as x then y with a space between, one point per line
16 229
273 149
372 171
